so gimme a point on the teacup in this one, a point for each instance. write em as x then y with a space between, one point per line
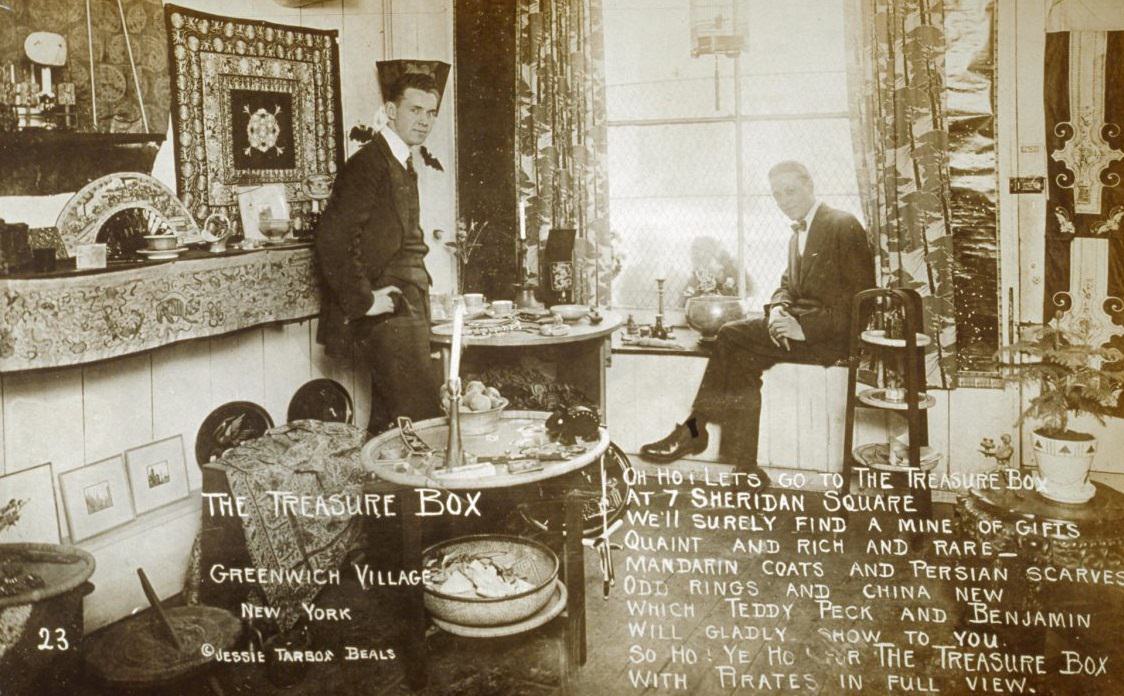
502 308
474 302
160 242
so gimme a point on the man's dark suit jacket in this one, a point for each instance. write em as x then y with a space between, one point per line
819 285
361 229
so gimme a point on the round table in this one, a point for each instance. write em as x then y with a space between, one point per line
580 356
1098 522
514 426
417 473
1025 529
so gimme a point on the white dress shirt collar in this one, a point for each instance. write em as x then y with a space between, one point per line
397 145
802 235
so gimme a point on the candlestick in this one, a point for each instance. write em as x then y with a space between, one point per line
458 330
522 219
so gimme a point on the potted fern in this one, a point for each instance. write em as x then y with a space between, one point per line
1075 376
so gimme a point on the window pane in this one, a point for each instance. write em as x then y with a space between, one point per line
795 36
649 71
676 161
655 241
794 93
823 145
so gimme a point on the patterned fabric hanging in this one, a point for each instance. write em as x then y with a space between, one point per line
561 134
896 84
1085 163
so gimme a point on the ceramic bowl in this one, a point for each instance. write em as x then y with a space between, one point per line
570 312
160 242
481 422
532 561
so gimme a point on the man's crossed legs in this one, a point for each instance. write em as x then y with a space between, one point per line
730 395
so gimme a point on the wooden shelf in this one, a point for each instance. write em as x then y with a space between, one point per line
876 455
877 337
41 138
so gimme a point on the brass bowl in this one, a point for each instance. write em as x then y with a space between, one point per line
709 313
534 562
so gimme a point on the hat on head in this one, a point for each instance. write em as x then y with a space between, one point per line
390 70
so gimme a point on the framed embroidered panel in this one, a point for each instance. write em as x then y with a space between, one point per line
253 103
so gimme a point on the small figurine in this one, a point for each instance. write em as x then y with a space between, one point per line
631 326
1002 453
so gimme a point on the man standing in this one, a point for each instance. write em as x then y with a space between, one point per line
372 258
806 321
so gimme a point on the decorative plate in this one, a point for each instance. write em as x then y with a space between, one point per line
228 425
161 254
323 400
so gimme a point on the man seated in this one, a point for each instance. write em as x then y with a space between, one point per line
806 321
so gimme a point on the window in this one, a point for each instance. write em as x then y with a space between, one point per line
673 166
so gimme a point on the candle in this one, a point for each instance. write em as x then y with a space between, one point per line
458 330
48 87
522 220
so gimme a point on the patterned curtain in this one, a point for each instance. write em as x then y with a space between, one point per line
561 134
896 80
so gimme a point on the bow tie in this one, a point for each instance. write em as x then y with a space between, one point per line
799 226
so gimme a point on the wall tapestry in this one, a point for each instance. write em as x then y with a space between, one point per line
141 34
896 84
253 103
70 320
1085 166
973 180
561 133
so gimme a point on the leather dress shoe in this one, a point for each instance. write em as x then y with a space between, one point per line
688 438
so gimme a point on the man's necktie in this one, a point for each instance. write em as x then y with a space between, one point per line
410 167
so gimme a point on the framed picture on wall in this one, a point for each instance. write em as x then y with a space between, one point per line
96 498
38 519
157 473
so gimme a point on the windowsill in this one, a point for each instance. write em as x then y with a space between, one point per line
685 337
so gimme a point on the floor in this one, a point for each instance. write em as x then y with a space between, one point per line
808 661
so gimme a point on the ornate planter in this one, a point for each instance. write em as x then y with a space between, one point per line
1064 463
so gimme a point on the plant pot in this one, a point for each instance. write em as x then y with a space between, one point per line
1064 464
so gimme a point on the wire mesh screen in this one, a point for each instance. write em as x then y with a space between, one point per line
672 140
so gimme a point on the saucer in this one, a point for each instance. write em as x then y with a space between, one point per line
161 254
1084 495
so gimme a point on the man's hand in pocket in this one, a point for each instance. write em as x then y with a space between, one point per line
383 302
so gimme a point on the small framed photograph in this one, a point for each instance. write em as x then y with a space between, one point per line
96 498
157 473
38 520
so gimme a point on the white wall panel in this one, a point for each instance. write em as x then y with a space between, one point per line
237 368
117 405
43 419
287 365
181 396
